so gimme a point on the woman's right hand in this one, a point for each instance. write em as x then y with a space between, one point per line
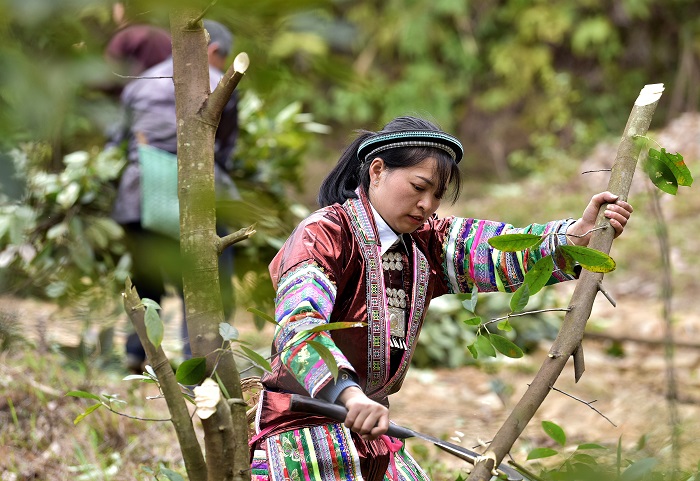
365 417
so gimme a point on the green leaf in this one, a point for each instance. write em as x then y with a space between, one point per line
170 474
473 351
83 394
262 315
515 242
257 359
660 174
555 432
520 298
674 162
639 469
536 278
484 346
505 347
86 413
505 326
590 259
585 459
228 332
618 461
539 453
470 304
473 321
334 326
192 371
154 326
590 446
150 303
327 357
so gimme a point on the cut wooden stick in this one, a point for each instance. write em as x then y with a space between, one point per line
572 330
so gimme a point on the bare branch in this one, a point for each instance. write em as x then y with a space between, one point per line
519 314
602 227
199 17
236 237
607 295
587 403
133 417
595 170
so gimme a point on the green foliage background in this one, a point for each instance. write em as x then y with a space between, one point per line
527 86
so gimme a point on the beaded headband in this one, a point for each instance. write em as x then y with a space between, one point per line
410 138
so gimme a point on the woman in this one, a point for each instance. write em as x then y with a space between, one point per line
376 253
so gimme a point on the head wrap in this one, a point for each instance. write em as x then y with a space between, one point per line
410 138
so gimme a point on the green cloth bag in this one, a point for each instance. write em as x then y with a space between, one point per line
160 209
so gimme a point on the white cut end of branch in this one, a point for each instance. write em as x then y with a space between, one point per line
206 397
241 62
649 94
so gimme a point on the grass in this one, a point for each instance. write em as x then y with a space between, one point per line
38 439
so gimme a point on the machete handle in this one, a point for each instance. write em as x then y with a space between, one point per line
338 413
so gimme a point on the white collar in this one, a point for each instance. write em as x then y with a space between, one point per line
387 237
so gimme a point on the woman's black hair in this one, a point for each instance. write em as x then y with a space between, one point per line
349 173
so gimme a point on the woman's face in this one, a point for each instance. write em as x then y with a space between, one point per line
404 197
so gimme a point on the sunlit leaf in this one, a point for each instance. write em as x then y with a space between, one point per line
515 242
473 321
639 469
334 326
555 432
228 332
154 326
538 275
327 357
590 259
192 371
262 315
505 347
83 394
257 359
473 351
484 346
539 453
520 298
86 413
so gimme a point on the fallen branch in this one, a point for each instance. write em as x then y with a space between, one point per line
572 330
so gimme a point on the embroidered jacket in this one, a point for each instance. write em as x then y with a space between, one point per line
330 270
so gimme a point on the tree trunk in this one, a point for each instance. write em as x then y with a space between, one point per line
572 330
226 432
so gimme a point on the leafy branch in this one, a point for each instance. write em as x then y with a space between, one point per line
571 333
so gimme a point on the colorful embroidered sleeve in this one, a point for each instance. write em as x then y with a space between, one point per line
468 259
305 298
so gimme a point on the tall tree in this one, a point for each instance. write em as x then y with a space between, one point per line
198 113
